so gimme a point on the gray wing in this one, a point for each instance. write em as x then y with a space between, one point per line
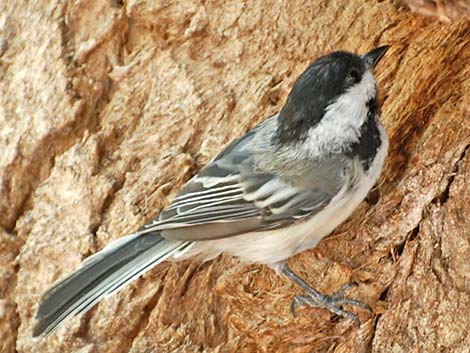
235 194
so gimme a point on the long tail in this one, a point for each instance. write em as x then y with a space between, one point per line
102 274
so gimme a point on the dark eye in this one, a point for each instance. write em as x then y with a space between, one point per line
354 76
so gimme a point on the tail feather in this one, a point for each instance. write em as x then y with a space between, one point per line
102 275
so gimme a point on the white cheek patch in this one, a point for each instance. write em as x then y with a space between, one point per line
343 119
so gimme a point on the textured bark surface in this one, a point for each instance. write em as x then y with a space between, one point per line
107 107
444 10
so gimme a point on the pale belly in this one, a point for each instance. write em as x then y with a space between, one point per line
270 247
273 246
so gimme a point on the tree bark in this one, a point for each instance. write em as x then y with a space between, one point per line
108 107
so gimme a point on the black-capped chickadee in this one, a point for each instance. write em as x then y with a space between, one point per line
269 195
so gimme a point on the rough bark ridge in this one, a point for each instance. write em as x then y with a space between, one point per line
107 107
444 10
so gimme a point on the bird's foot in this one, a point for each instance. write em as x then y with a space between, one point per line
314 298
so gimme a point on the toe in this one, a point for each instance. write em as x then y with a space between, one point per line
340 293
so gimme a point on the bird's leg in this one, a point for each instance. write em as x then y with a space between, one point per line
314 298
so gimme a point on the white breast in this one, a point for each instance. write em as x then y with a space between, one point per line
270 247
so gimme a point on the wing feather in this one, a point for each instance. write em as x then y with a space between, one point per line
234 194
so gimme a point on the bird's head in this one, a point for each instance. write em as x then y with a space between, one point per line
337 86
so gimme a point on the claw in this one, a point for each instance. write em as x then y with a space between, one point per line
298 301
293 305
333 303
338 297
340 293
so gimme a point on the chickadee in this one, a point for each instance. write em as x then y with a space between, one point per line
269 195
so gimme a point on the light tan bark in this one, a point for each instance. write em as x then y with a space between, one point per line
444 10
107 108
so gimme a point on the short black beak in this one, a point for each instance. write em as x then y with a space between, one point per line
373 57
